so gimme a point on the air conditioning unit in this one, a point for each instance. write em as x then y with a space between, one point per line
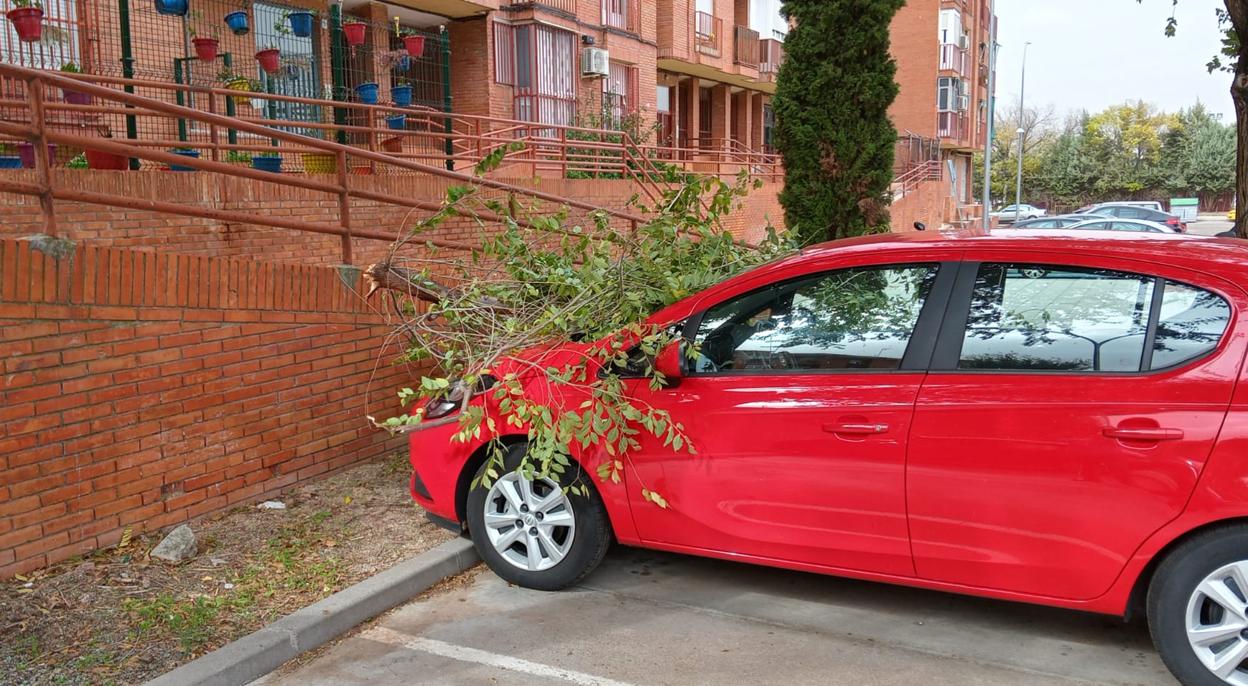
595 62
964 103
964 42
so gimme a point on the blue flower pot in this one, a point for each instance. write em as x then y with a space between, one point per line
397 122
269 164
173 8
402 95
184 153
301 23
10 162
237 21
367 93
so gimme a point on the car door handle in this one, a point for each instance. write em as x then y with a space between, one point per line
1143 434
857 429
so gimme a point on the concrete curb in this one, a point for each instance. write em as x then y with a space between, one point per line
259 653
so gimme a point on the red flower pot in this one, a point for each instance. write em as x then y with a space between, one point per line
355 32
270 60
28 22
205 48
98 159
415 45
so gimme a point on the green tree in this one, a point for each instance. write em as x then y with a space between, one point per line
1125 141
1066 171
833 129
1207 152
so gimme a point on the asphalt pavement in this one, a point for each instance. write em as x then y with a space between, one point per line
654 618
1210 225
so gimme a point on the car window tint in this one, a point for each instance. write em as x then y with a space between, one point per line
1132 226
848 319
1036 317
1190 324
1041 224
1095 225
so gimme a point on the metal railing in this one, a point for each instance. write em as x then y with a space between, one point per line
929 170
954 58
951 124
747 52
620 14
708 31
771 56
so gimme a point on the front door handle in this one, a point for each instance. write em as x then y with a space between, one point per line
856 429
1151 434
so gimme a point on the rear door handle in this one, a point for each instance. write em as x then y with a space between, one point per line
1143 434
856 429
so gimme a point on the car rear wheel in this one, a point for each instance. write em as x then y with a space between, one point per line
1198 609
534 534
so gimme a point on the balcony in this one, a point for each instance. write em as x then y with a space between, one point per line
771 56
708 31
951 125
954 58
748 53
620 14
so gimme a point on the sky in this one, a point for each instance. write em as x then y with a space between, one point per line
1089 54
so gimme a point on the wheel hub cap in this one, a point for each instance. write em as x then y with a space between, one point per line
1217 623
529 523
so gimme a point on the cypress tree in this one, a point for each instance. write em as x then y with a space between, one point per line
832 127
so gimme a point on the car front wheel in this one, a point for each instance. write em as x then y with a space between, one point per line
533 533
1198 609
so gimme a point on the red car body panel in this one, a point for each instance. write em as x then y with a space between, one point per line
994 484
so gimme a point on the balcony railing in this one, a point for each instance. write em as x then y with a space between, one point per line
771 56
748 52
568 6
620 14
708 30
951 125
954 58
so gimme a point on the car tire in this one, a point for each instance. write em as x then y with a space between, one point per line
589 530
1179 603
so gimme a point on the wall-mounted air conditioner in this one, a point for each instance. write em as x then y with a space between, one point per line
595 62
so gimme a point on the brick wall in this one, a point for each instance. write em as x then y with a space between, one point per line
142 389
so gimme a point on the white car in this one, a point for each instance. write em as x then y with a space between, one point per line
1113 224
1013 213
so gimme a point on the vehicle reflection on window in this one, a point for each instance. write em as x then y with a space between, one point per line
1192 322
860 319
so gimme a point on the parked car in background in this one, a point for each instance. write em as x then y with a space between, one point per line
1012 213
1138 225
1230 215
1146 204
1128 211
1079 444
1059 222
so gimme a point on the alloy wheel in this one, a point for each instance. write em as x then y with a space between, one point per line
1217 622
530 523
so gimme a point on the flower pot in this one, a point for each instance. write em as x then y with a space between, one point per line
402 95
269 164
28 23
242 86
403 63
237 21
270 60
398 122
355 32
98 159
415 45
172 8
205 48
10 162
73 97
367 93
301 23
184 153
26 151
320 163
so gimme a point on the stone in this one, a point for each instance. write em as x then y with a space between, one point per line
272 505
178 547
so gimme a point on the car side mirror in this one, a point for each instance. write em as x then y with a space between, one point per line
668 363
920 226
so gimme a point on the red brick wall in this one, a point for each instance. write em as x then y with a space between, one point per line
142 389
915 46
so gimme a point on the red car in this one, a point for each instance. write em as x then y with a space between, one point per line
1049 418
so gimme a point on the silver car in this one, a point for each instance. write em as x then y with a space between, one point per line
1113 224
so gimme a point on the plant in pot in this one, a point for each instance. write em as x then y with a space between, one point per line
206 47
367 93
26 16
402 93
185 152
172 8
269 161
72 96
398 122
9 159
270 59
237 82
413 42
98 159
237 157
355 32
301 22
237 21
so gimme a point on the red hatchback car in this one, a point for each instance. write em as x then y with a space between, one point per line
1050 418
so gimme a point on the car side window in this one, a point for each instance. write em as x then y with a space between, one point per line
1130 213
1190 324
1038 317
1096 225
850 319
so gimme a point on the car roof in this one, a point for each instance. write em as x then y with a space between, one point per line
1226 257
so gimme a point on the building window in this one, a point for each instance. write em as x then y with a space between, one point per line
948 93
545 74
951 31
619 94
619 14
504 54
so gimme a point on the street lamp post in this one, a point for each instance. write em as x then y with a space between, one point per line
992 113
1018 186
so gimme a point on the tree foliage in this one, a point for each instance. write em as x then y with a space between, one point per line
833 129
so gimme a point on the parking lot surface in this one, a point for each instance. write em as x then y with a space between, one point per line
654 618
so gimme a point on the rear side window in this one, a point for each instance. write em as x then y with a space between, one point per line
1045 318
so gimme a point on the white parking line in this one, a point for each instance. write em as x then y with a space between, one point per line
483 657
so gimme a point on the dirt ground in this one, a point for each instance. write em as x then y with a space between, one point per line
119 617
